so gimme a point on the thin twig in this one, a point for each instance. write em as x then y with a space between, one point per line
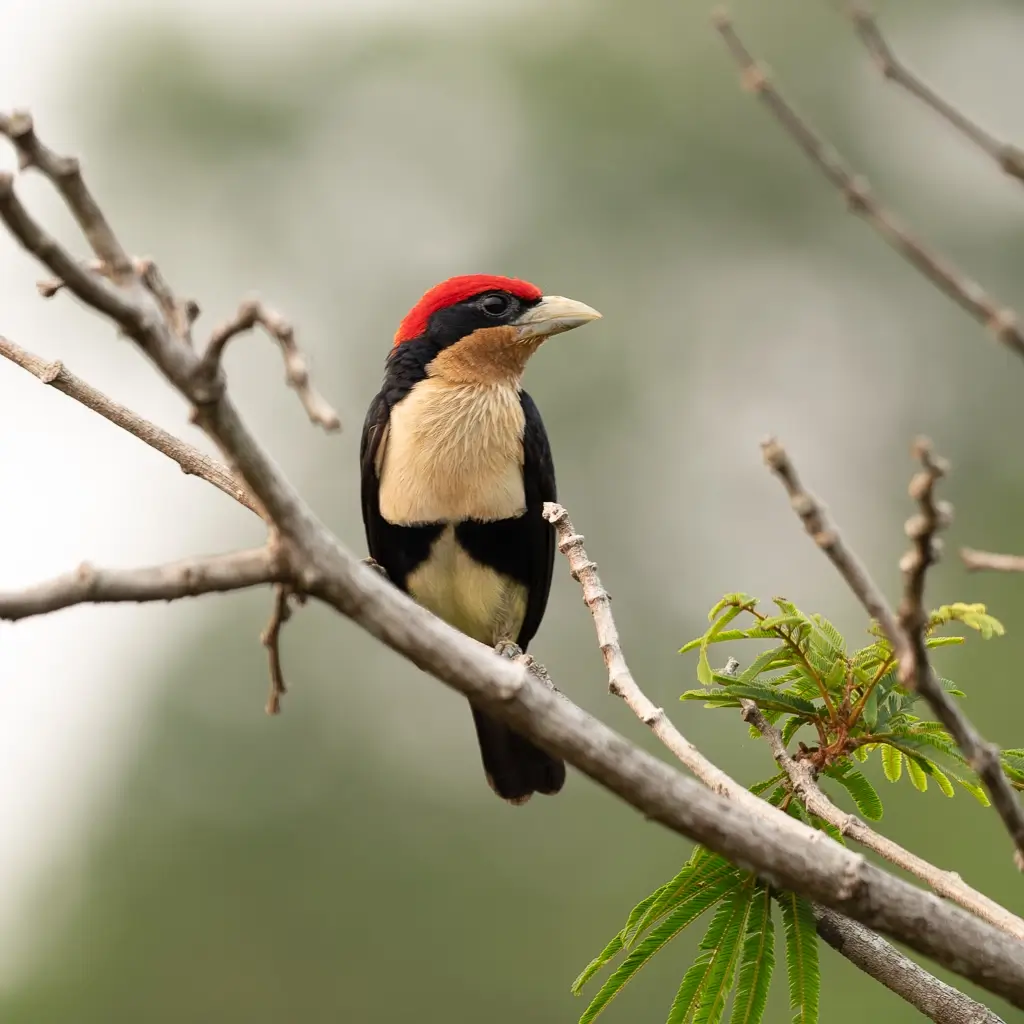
620 680
815 519
909 649
66 175
1009 158
945 883
188 578
250 314
992 560
898 973
192 461
923 530
967 293
271 639
982 756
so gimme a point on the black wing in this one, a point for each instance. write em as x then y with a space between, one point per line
397 549
539 484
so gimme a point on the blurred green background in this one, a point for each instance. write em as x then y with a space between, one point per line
346 862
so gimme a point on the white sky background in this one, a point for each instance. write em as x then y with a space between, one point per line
71 485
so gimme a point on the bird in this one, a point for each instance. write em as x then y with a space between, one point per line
455 470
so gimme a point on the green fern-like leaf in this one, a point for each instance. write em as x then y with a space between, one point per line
685 914
824 826
706 985
762 787
757 962
864 794
615 944
827 639
973 615
730 693
703 870
801 957
892 762
769 659
916 774
791 728
943 641
941 780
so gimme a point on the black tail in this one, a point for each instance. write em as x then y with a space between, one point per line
515 768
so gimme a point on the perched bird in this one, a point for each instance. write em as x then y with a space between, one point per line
456 468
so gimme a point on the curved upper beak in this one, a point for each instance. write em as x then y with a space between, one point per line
553 315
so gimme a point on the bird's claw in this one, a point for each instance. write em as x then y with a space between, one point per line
506 648
374 564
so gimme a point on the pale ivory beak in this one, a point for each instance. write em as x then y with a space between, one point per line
553 315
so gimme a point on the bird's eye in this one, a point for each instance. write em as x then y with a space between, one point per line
495 305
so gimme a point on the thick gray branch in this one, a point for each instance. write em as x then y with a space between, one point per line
872 954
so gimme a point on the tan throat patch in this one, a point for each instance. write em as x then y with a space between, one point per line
453 451
491 355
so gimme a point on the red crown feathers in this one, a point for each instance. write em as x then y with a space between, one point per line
458 289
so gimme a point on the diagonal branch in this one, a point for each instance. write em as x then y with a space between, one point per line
898 973
192 461
1009 158
189 578
967 293
946 883
620 680
910 649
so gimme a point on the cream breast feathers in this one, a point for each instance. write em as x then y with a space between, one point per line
453 451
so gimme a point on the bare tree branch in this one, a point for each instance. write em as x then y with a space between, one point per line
271 639
873 955
976 560
620 680
250 314
189 578
915 669
65 173
967 293
311 560
946 883
1009 158
812 514
192 461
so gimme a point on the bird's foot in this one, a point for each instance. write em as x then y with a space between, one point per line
374 564
509 649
